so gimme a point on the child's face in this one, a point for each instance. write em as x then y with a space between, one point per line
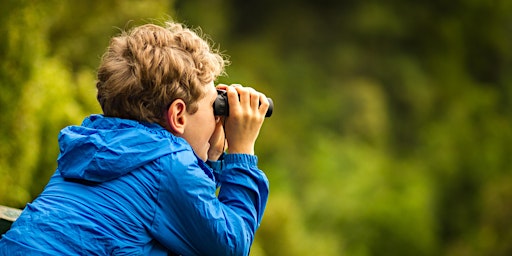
201 125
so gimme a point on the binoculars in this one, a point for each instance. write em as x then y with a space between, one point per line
221 106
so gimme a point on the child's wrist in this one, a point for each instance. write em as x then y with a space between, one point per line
241 150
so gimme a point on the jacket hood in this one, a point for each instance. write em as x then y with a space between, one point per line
105 148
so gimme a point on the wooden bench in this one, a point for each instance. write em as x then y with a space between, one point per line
7 216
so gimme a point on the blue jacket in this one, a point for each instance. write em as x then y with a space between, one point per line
128 188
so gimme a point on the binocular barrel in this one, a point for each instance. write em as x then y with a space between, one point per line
221 106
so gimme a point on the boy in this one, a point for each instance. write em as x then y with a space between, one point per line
141 179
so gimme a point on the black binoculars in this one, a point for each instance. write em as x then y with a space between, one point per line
221 106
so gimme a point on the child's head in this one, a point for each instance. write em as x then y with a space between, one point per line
148 67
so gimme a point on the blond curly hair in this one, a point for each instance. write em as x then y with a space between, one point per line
145 69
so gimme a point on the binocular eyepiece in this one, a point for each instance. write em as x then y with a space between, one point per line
221 106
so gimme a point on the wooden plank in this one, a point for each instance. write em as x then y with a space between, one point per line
7 216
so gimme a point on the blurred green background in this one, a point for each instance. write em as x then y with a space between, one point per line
392 126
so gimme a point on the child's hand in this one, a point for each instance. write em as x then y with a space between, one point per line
218 142
247 109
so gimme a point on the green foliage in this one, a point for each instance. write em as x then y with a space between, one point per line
20 51
377 202
79 37
47 80
391 133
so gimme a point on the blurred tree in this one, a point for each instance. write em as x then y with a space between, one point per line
21 47
423 83
79 31
50 52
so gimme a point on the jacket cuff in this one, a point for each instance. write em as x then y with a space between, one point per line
251 160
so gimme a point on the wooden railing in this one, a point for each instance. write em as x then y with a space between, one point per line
7 216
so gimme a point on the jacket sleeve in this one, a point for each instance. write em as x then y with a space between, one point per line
216 166
191 220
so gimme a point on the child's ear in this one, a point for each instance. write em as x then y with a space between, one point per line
176 117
